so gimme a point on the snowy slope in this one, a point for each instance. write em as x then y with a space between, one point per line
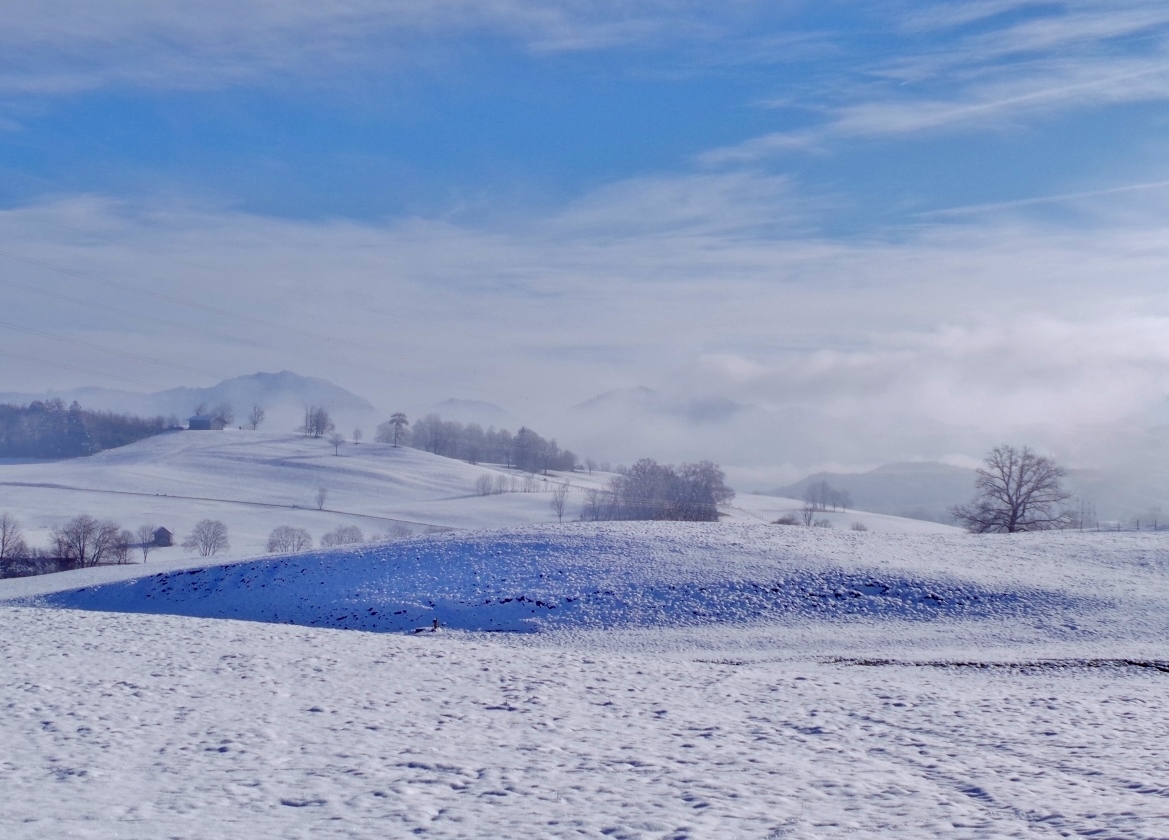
256 481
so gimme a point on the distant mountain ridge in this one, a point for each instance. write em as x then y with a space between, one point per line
916 490
274 391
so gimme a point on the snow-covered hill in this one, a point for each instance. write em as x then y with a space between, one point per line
256 481
1056 591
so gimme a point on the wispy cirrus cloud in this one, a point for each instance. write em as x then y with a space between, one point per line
1022 61
67 45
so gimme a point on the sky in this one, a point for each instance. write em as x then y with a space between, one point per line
951 212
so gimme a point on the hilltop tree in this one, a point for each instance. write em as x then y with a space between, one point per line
1017 491
392 430
256 416
335 440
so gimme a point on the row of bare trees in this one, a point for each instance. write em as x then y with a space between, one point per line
85 541
525 450
649 490
287 539
820 495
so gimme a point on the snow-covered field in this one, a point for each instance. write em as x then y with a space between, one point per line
703 681
666 680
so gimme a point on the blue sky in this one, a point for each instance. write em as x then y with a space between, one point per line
891 112
893 209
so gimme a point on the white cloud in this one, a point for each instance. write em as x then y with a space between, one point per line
66 45
687 284
1073 57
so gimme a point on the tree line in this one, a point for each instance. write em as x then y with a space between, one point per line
85 541
49 429
525 450
653 491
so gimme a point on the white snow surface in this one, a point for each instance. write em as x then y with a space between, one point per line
703 681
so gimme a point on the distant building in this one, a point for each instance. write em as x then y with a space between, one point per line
206 423
163 538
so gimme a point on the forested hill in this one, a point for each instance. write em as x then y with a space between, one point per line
49 429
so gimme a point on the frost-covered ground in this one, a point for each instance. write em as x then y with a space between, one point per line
704 681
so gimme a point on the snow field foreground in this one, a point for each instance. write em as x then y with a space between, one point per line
138 726
1065 594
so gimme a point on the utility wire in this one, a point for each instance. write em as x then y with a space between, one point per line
179 324
79 369
79 343
214 310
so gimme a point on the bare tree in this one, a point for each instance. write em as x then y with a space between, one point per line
559 497
808 512
146 540
590 465
209 537
484 485
256 415
225 411
85 540
1016 491
123 543
336 439
358 435
12 545
342 535
322 494
286 539
317 422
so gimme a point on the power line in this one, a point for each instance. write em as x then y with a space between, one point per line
78 342
79 369
178 324
213 310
